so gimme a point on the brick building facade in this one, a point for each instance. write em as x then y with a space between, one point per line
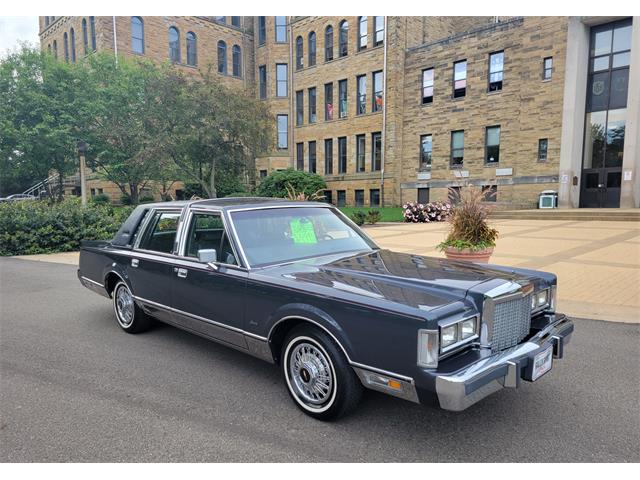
396 109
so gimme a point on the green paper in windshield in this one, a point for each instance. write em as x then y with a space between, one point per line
302 231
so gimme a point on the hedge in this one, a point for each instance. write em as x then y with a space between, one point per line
30 227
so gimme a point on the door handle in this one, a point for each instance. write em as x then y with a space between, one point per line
600 185
134 262
182 272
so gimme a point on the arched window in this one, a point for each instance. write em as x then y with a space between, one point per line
73 45
66 46
237 61
343 39
222 57
92 23
328 43
85 36
137 35
49 48
312 49
174 45
192 49
362 33
299 53
55 49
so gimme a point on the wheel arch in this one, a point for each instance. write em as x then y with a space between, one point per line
111 279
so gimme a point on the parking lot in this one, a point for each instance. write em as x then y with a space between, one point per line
73 387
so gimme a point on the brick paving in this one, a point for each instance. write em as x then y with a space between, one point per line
597 262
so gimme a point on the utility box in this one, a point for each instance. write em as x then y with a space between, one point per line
548 199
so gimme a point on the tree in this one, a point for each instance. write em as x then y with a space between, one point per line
275 184
38 121
211 129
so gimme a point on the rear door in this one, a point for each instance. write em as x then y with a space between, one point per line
151 266
206 300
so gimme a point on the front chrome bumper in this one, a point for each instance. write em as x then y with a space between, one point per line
459 390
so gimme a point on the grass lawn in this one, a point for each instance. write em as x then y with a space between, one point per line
388 214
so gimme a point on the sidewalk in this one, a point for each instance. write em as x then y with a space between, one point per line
597 263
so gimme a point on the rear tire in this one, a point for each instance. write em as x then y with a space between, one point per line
129 316
317 374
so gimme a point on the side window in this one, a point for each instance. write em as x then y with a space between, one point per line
161 232
206 231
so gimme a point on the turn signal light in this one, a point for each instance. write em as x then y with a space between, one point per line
394 384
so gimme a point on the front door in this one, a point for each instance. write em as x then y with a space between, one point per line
601 188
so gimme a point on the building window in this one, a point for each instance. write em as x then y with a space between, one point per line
360 152
263 173
342 155
377 92
426 150
490 193
374 197
46 21
312 157
547 68
236 53
85 36
192 49
543 146
299 107
362 94
49 48
453 195
427 85
423 195
328 156
328 43
300 156
457 148
376 151
281 80
328 101
342 198
92 25
343 39
492 145
328 196
222 57
55 49
221 19
312 105
342 99
281 29
299 53
262 74
235 21
460 79
65 42
496 68
262 30
312 49
174 45
378 27
73 45
283 132
359 197
137 35
363 38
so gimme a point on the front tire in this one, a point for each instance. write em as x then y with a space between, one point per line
129 316
317 374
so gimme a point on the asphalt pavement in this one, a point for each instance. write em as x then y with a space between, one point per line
74 387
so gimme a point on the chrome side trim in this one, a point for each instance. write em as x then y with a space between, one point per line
170 259
92 281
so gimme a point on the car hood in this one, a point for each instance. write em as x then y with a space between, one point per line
411 280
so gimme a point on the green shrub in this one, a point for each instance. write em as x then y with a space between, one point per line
373 216
147 199
125 199
42 227
275 184
101 198
358 217
240 194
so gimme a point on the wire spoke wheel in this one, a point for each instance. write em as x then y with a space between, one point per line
311 374
124 306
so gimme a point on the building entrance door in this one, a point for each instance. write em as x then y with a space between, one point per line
601 188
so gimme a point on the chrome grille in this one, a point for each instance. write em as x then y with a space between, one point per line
511 322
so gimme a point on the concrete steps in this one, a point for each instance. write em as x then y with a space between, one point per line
573 214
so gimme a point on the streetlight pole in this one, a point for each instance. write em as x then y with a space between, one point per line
82 150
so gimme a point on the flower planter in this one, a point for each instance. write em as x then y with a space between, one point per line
480 256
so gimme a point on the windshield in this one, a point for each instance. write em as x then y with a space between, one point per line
278 235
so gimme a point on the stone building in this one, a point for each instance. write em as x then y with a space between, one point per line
397 109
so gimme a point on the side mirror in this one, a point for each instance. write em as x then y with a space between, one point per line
208 255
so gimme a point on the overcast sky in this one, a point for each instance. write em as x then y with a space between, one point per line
13 29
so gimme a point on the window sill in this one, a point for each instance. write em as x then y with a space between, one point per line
491 165
495 92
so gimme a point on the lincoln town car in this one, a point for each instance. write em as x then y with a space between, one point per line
299 285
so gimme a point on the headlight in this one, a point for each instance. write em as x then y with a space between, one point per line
468 328
540 299
449 335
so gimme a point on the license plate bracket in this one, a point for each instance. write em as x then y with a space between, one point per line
541 363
